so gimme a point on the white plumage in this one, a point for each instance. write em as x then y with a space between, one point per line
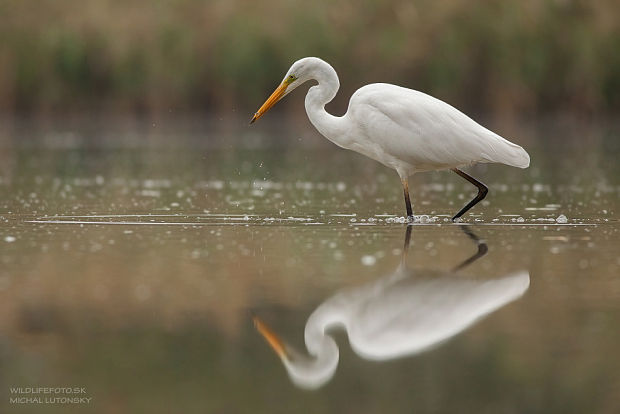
421 133
404 129
402 314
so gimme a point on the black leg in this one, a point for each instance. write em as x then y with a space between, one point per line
407 201
407 239
482 248
482 192
406 245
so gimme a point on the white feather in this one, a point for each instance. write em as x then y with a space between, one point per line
422 133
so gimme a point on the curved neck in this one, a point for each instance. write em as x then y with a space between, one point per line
331 127
314 371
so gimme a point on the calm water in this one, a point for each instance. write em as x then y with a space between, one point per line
137 257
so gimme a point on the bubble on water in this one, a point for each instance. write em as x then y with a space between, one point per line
215 184
153 183
559 238
150 193
369 260
423 218
561 219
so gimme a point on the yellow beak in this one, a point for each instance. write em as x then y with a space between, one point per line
272 339
271 101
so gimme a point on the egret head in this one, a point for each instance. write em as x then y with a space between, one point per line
300 72
305 372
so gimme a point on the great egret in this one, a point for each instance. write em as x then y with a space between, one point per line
404 313
401 128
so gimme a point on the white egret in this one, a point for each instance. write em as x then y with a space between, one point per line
401 314
401 128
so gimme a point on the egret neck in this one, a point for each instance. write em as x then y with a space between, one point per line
330 126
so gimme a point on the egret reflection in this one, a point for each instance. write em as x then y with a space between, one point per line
402 314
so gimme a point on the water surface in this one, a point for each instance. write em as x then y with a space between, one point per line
135 256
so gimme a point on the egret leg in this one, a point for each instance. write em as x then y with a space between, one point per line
482 248
482 192
406 244
407 200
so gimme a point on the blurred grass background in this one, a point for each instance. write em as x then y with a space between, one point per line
504 58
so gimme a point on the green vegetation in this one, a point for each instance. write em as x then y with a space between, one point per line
512 57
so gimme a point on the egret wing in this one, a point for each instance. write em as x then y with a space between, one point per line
426 132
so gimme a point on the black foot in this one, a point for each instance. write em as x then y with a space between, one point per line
482 248
482 193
